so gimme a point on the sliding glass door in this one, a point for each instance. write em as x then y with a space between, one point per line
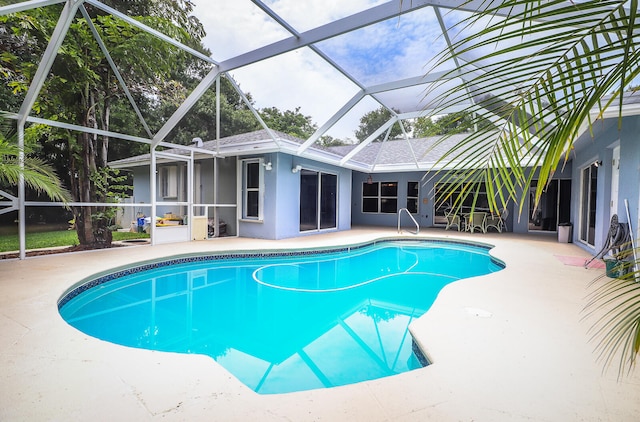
318 200
554 206
588 204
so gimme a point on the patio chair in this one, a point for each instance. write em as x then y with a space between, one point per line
477 220
504 213
452 220
495 221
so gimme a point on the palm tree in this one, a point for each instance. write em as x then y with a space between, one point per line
537 70
38 175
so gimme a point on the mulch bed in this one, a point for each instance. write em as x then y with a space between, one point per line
39 252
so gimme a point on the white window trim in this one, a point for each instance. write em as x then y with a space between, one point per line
243 191
169 181
582 203
319 174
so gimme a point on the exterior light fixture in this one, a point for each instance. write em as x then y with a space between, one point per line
267 166
296 169
197 142
597 163
369 180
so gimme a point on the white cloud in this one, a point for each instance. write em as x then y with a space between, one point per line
389 50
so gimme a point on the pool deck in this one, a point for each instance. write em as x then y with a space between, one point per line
510 346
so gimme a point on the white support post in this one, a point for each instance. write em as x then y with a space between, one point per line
190 189
215 163
22 214
153 193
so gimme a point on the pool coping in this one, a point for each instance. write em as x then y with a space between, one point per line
531 359
103 277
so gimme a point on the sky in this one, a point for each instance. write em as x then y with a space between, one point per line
394 49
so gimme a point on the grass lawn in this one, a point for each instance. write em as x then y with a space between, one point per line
50 239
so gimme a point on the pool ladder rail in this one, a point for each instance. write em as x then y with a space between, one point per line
412 219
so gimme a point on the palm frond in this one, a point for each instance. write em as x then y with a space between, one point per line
38 175
538 73
541 71
614 306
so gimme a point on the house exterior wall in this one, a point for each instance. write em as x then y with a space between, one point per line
226 189
288 203
608 134
281 205
424 217
141 184
426 203
519 222
227 192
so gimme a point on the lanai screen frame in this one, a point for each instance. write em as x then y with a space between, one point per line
296 40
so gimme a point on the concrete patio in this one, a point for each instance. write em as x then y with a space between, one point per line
510 346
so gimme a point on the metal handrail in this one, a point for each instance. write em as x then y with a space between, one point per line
410 216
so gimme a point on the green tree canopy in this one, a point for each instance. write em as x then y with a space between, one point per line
447 124
82 88
292 122
373 120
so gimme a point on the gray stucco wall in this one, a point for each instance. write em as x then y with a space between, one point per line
288 191
281 213
424 217
608 134
426 206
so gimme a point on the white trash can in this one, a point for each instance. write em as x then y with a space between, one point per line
565 232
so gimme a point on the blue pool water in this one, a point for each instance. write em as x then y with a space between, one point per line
280 323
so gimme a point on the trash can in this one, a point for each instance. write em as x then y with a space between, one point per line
140 224
565 232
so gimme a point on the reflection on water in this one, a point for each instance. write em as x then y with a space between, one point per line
312 330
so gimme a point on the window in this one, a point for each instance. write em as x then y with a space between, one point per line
588 204
251 189
169 181
412 197
380 197
370 196
318 200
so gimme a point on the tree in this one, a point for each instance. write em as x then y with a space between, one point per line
373 120
291 122
82 87
447 124
330 141
540 70
38 175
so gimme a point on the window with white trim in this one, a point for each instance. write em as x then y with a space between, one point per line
169 181
252 190
589 195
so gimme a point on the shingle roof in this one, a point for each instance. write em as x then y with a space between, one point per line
397 154
401 152
246 142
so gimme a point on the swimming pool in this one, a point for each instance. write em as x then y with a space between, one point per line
280 321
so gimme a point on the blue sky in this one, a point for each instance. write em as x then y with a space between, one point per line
397 48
